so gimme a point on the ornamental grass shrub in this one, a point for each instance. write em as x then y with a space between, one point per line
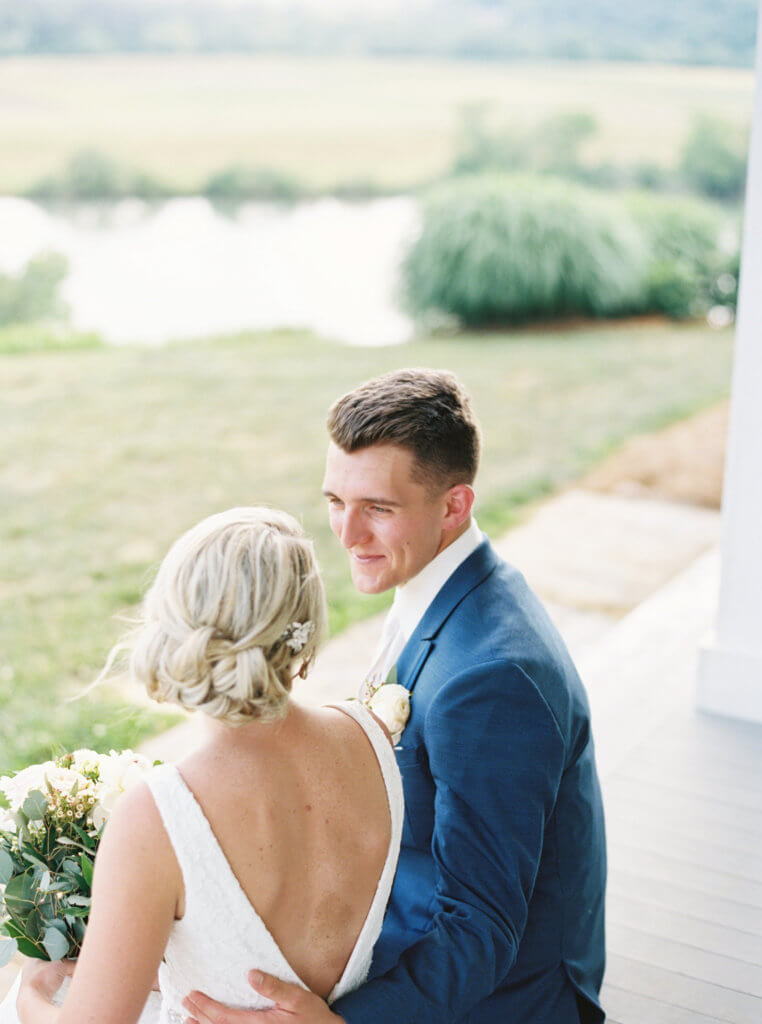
685 257
498 249
32 294
713 159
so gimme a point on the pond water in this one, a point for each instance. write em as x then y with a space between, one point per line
183 268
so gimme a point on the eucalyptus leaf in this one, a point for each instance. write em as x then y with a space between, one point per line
74 912
61 885
35 806
20 895
32 949
56 945
87 839
31 857
33 928
22 824
67 841
7 867
45 882
57 923
87 869
8 949
11 929
79 901
76 879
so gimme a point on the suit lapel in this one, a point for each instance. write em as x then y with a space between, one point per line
469 574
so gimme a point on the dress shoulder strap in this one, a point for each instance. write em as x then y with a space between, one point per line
359 961
200 858
386 758
373 730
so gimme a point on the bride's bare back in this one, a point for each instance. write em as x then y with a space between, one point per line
301 812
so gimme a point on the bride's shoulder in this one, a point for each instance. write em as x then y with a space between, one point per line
353 718
135 819
135 842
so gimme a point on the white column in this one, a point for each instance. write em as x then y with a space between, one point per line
730 665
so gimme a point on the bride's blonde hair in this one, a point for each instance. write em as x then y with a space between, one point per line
236 610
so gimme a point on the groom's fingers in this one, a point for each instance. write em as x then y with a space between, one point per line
290 1001
203 1010
287 996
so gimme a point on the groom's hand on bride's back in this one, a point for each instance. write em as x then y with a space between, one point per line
292 1004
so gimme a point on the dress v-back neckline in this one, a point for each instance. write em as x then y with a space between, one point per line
351 709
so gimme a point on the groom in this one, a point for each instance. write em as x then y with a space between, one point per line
497 909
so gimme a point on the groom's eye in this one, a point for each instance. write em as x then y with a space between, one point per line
379 508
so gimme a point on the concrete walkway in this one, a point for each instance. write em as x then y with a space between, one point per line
631 584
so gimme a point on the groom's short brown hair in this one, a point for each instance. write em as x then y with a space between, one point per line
428 412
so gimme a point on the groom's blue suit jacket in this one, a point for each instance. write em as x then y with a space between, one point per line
496 915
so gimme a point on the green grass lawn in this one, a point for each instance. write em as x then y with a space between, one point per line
108 454
326 121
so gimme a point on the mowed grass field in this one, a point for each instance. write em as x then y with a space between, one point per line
108 454
327 121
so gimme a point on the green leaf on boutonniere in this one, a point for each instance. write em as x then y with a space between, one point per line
391 679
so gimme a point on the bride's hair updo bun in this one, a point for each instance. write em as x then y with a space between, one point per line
236 610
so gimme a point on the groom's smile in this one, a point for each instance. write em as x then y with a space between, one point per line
391 524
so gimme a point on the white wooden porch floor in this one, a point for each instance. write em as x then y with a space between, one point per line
684 909
683 800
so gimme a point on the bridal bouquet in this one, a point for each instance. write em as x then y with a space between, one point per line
49 836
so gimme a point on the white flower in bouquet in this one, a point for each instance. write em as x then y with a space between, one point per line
17 788
391 703
118 772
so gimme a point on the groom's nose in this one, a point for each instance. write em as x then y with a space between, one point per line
354 529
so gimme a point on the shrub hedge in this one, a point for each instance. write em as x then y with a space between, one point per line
499 249
32 295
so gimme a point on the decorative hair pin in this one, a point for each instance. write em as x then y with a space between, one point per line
296 635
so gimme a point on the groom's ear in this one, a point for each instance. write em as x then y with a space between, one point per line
460 501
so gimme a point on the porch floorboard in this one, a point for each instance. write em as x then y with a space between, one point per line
684 907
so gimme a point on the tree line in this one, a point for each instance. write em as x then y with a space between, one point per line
683 31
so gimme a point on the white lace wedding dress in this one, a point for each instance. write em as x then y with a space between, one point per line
221 937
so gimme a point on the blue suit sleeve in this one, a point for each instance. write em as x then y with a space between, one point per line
496 754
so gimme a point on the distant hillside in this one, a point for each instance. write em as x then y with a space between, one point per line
681 31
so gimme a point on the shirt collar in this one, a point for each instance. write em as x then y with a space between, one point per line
412 599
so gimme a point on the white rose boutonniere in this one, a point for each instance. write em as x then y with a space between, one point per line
391 703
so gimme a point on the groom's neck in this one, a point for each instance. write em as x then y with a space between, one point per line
450 536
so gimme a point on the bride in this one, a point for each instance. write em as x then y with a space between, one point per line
274 845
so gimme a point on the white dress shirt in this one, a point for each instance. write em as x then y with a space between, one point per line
411 600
